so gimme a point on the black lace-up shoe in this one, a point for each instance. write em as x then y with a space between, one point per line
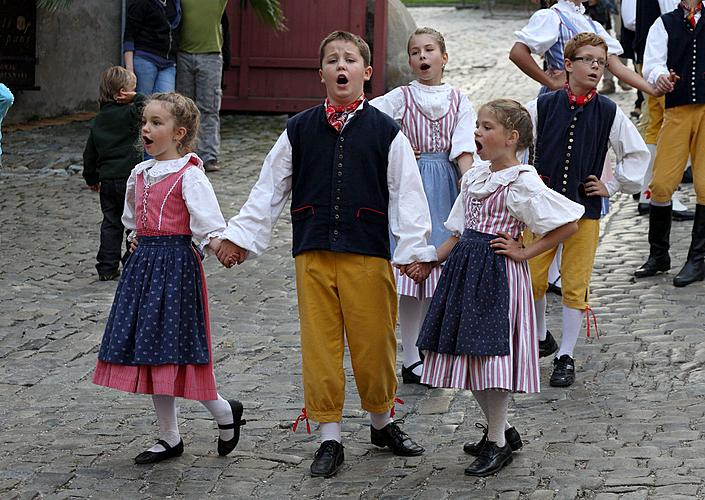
328 459
511 435
398 441
490 460
563 372
548 346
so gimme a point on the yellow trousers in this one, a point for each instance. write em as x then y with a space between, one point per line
682 134
351 297
577 260
655 107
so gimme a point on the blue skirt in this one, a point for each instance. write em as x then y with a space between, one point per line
469 313
158 314
440 183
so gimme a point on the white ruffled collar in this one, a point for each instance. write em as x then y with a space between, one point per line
442 88
480 181
570 6
155 168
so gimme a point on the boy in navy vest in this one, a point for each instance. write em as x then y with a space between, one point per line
675 59
352 176
574 128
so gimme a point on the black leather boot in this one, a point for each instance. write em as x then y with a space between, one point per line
659 238
694 268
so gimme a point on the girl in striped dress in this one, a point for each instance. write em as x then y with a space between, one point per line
438 120
480 331
157 340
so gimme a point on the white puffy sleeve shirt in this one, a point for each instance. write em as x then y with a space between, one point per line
206 219
528 199
434 101
543 28
409 216
629 148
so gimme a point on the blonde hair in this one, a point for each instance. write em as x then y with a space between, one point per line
513 116
185 114
581 40
435 34
346 37
112 80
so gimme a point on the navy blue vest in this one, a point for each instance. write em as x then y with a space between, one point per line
339 197
572 144
686 56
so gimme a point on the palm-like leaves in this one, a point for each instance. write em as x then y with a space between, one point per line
269 11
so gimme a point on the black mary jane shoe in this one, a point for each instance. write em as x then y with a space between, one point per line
394 438
511 435
490 460
152 457
328 459
409 377
225 447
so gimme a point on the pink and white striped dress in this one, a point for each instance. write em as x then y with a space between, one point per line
518 371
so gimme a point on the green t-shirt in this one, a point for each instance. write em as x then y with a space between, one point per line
200 30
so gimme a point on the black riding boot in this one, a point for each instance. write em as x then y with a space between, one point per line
694 269
659 236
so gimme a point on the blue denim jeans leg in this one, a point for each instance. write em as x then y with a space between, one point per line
151 79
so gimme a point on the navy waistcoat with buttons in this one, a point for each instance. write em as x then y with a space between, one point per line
686 56
572 144
339 195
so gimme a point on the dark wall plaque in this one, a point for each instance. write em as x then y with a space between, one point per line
18 43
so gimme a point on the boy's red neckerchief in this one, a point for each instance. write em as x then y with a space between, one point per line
338 115
579 100
691 11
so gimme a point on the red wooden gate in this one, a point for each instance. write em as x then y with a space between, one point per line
272 71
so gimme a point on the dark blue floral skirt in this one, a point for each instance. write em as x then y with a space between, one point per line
158 314
469 313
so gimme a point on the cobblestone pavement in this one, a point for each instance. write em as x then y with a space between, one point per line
631 427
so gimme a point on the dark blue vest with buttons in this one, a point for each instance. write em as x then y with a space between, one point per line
340 199
686 56
572 144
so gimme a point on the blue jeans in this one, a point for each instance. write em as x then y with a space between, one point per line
151 79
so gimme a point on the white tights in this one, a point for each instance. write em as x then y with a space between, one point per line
412 312
494 405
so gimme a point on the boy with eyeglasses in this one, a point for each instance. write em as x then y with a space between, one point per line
574 128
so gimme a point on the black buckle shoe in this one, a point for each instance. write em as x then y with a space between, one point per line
548 346
692 271
653 266
490 460
225 447
409 377
397 440
152 457
511 435
328 459
563 372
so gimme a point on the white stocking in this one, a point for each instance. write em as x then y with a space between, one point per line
497 402
223 415
572 324
330 431
165 408
380 420
482 400
411 315
540 306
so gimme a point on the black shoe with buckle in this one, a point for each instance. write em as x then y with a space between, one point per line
225 447
491 459
409 377
328 459
394 438
548 346
563 372
152 457
511 435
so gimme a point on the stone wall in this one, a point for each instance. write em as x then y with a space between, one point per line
74 45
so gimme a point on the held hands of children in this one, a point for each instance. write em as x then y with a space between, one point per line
666 83
230 254
417 271
509 247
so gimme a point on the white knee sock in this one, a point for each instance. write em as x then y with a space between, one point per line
165 408
380 420
572 324
497 403
678 205
554 270
411 315
540 306
330 431
223 415
481 398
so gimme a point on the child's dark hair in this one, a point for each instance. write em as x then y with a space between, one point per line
513 116
346 37
185 114
435 34
112 80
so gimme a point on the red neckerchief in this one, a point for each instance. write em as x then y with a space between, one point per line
690 12
338 115
579 100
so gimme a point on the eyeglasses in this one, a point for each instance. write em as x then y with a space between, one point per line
589 61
